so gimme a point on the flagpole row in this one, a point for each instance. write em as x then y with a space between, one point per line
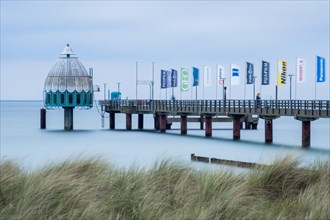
250 78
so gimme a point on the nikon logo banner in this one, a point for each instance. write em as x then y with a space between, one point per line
282 72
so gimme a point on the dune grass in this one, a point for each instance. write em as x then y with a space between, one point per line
93 189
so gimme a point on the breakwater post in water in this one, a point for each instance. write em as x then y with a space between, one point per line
42 118
226 162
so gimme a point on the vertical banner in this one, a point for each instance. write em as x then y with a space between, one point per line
249 73
235 79
265 73
220 75
168 79
281 72
174 78
196 76
184 86
300 68
207 76
163 79
320 69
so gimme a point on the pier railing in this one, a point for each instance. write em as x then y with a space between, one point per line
298 108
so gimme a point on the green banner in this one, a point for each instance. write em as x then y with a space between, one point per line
184 86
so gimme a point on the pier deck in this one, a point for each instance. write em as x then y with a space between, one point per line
208 111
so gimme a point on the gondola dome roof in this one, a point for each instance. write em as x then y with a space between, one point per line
68 74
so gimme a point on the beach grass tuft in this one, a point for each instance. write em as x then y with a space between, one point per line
93 189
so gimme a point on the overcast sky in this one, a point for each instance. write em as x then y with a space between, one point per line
111 36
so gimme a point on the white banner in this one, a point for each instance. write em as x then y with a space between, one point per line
234 74
207 76
301 68
220 75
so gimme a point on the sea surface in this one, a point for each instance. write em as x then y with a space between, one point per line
22 139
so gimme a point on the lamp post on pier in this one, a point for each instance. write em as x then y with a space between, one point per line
223 88
118 84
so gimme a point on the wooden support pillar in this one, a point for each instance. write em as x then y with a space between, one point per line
140 121
268 131
42 118
162 123
201 123
183 124
236 128
112 120
128 121
68 118
306 133
247 125
156 122
208 126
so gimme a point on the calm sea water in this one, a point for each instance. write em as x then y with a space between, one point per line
23 141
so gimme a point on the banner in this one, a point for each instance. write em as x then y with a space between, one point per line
168 79
174 78
163 79
196 76
300 68
265 73
184 86
207 76
281 72
320 69
220 75
249 73
235 79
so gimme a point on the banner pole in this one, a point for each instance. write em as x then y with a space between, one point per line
295 84
230 82
203 81
315 77
153 80
136 80
216 85
245 81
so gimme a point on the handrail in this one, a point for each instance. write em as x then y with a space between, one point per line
313 108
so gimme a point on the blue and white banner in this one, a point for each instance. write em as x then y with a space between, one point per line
235 78
196 76
320 69
265 73
174 77
163 79
249 73
168 79
220 75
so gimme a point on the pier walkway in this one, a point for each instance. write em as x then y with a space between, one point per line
204 111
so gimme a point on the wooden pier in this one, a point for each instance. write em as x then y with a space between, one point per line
208 111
